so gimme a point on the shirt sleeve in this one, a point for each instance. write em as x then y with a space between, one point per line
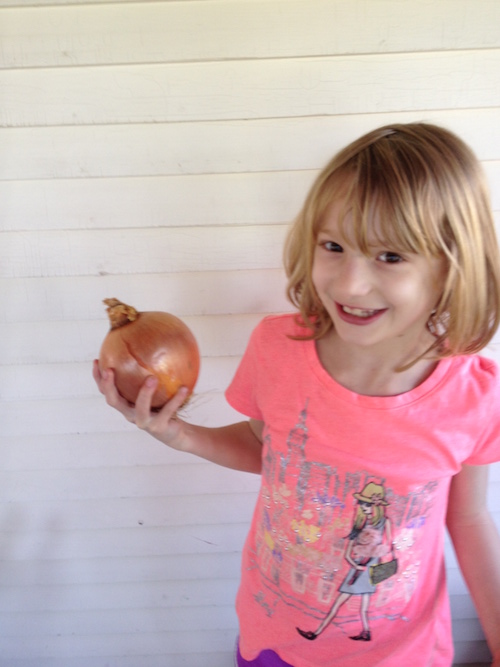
242 393
487 449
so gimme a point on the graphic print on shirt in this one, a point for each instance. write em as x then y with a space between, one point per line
364 552
338 546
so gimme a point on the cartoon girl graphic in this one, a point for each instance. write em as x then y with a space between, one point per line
365 547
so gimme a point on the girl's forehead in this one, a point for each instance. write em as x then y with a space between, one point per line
339 219
376 224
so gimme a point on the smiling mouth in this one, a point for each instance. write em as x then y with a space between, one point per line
359 312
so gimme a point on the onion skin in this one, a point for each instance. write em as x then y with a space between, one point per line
139 345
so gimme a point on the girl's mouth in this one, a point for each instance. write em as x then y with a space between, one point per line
354 315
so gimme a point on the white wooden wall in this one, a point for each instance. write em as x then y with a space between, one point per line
155 151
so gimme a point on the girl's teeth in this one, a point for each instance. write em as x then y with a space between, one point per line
359 312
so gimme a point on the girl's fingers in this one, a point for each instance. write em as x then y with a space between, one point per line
105 381
169 410
143 414
140 413
96 373
159 421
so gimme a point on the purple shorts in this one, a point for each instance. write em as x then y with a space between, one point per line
266 658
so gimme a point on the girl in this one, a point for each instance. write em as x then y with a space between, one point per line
394 269
364 548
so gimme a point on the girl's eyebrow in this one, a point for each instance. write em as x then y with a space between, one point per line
328 231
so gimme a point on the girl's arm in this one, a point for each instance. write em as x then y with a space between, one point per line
237 446
388 537
477 546
350 559
388 533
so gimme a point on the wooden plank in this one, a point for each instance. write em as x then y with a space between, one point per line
90 450
29 382
146 250
472 653
492 171
117 513
493 350
136 645
249 89
40 544
113 203
80 342
184 294
230 199
91 415
163 32
494 471
467 629
130 644
69 3
217 336
141 621
259 145
66 451
140 250
193 658
138 543
87 622
115 481
115 569
462 607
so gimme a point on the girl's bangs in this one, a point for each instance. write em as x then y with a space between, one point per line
387 212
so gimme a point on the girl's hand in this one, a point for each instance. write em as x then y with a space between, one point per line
237 446
163 425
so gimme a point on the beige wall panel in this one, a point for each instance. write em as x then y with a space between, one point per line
156 152
30 381
197 293
227 148
80 341
100 252
229 90
172 201
114 32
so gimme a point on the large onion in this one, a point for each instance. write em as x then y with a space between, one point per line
149 343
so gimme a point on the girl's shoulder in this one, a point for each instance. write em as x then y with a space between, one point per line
477 370
473 384
286 325
475 400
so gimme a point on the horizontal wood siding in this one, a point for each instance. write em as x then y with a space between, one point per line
156 152
248 89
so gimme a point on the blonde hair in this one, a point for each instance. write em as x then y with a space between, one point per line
361 519
431 197
373 494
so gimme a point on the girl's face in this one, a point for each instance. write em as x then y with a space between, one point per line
382 301
366 508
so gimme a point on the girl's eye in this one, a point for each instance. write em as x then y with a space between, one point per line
331 246
390 257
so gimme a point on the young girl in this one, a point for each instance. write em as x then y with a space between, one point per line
371 417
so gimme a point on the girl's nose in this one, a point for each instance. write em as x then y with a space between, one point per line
355 277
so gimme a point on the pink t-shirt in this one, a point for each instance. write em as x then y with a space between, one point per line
350 482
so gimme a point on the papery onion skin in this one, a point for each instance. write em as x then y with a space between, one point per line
149 343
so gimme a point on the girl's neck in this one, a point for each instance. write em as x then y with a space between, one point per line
374 372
